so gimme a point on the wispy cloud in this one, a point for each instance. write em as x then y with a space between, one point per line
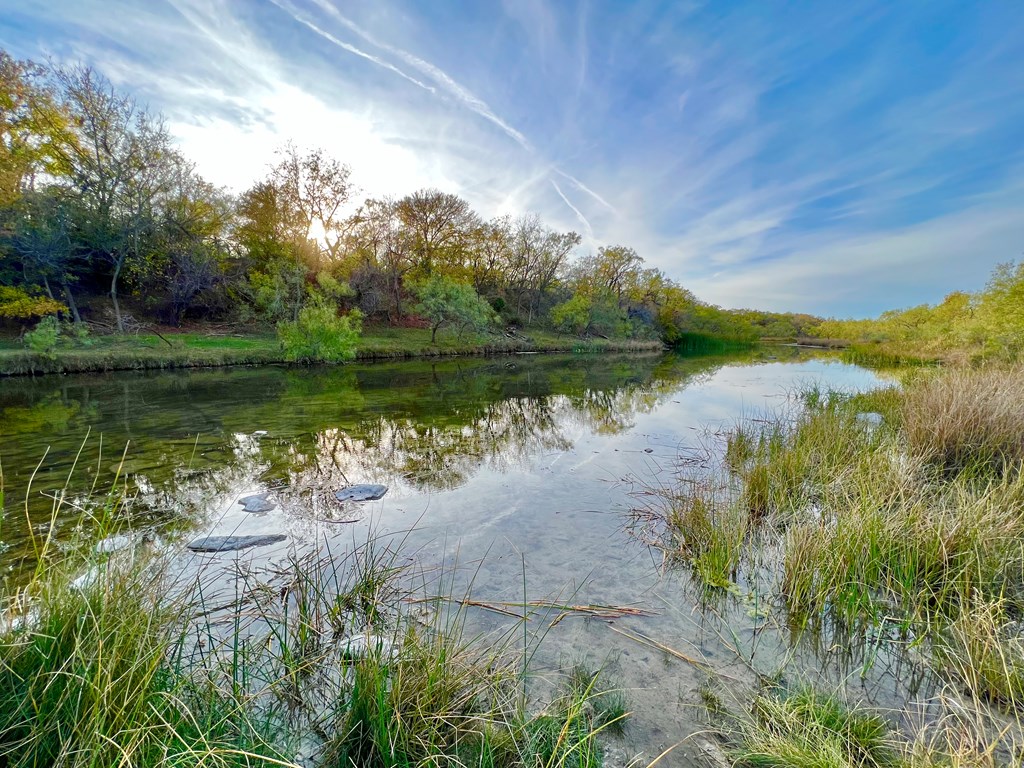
579 215
463 95
304 20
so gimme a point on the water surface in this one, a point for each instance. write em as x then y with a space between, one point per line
522 469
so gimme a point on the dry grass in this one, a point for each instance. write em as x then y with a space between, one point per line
964 419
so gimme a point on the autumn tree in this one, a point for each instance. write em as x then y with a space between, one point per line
440 228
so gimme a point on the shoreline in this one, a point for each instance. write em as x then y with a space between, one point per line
129 355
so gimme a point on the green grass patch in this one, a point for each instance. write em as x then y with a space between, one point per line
193 350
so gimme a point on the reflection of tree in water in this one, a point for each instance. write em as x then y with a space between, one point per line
415 425
443 453
433 454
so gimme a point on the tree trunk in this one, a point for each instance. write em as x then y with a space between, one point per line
70 298
113 295
433 332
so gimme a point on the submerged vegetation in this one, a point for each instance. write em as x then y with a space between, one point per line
896 516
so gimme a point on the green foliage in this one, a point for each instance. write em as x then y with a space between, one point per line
573 315
320 335
447 303
44 337
808 729
988 324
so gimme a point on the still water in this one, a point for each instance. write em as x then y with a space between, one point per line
523 468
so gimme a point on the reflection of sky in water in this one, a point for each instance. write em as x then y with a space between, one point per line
515 463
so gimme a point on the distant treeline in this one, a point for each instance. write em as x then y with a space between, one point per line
988 324
103 218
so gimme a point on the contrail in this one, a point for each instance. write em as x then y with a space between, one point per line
584 188
468 99
287 8
580 216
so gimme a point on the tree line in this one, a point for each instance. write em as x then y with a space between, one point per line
984 324
102 218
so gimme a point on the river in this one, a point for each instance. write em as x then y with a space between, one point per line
523 468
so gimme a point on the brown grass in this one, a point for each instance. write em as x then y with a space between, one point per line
967 419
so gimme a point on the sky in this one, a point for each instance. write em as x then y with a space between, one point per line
826 157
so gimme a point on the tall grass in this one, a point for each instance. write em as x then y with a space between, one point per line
805 728
110 660
907 526
965 419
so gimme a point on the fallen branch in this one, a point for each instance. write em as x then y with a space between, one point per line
504 607
652 643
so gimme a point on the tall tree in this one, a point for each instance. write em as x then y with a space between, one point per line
440 227
313 190
119 167
34 129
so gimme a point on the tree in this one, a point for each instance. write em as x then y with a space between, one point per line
313 189
34 129
445 302
440 228
40 238
119 167
380 245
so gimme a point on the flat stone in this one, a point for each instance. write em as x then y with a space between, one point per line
113 544
231 543
870 419
367 492
258 503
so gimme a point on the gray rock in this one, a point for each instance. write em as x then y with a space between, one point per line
113 544
713 754
870 419
231 543
258 503
366 492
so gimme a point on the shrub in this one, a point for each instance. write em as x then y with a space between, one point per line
44 337
445 302
320 336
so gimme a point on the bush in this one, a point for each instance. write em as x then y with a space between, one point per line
320 336
44 337
445 302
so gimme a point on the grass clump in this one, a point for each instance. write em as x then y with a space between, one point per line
809 729
967 420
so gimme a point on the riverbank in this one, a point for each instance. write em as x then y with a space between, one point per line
205 350
888 520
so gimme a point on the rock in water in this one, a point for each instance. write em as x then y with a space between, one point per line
231 543
361 492
871 419
259 502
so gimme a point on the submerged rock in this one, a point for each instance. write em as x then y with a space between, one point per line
113 543
258 503
870 419
366 492
231 543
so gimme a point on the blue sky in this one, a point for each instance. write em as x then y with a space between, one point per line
838 158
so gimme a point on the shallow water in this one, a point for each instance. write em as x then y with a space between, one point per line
520 468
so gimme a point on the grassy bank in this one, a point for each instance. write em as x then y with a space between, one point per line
195 350
894 518
124 659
